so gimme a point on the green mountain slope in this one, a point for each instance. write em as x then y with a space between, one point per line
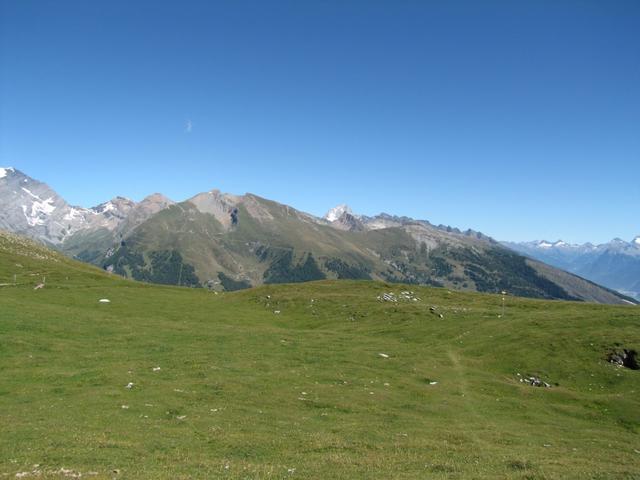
228 242
320 380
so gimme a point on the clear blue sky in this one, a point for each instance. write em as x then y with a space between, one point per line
517 118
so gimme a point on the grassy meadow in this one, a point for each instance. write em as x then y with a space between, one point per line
319 380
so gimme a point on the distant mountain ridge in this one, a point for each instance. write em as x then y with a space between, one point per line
32 208
615 264
228 242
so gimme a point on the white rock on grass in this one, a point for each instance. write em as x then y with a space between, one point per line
383 355
104 300
129 385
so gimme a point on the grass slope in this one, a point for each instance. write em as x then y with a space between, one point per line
244 392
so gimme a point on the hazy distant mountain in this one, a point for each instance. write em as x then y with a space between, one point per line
32 208
234 241
615 264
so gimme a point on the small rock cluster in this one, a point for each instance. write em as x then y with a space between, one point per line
625 358
387 297
409 296
392 297
534 381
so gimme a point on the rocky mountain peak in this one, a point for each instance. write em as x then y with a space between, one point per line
220 205
118 206
157 198
348 221
336 212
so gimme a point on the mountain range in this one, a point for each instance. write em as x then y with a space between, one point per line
228 242
615 264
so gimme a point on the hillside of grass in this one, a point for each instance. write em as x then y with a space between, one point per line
320 380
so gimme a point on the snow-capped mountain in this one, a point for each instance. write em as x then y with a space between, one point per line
615 264
32 208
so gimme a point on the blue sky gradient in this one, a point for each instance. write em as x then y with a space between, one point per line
518 119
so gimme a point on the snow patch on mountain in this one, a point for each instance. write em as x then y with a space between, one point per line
4 171
107 207
40 209
76 213
636 241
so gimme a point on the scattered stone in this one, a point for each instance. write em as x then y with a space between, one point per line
125 407
104 300
38 287
156 369
383 355
433 383
276 312
65 472
129 385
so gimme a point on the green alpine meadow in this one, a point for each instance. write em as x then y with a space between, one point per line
104 377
